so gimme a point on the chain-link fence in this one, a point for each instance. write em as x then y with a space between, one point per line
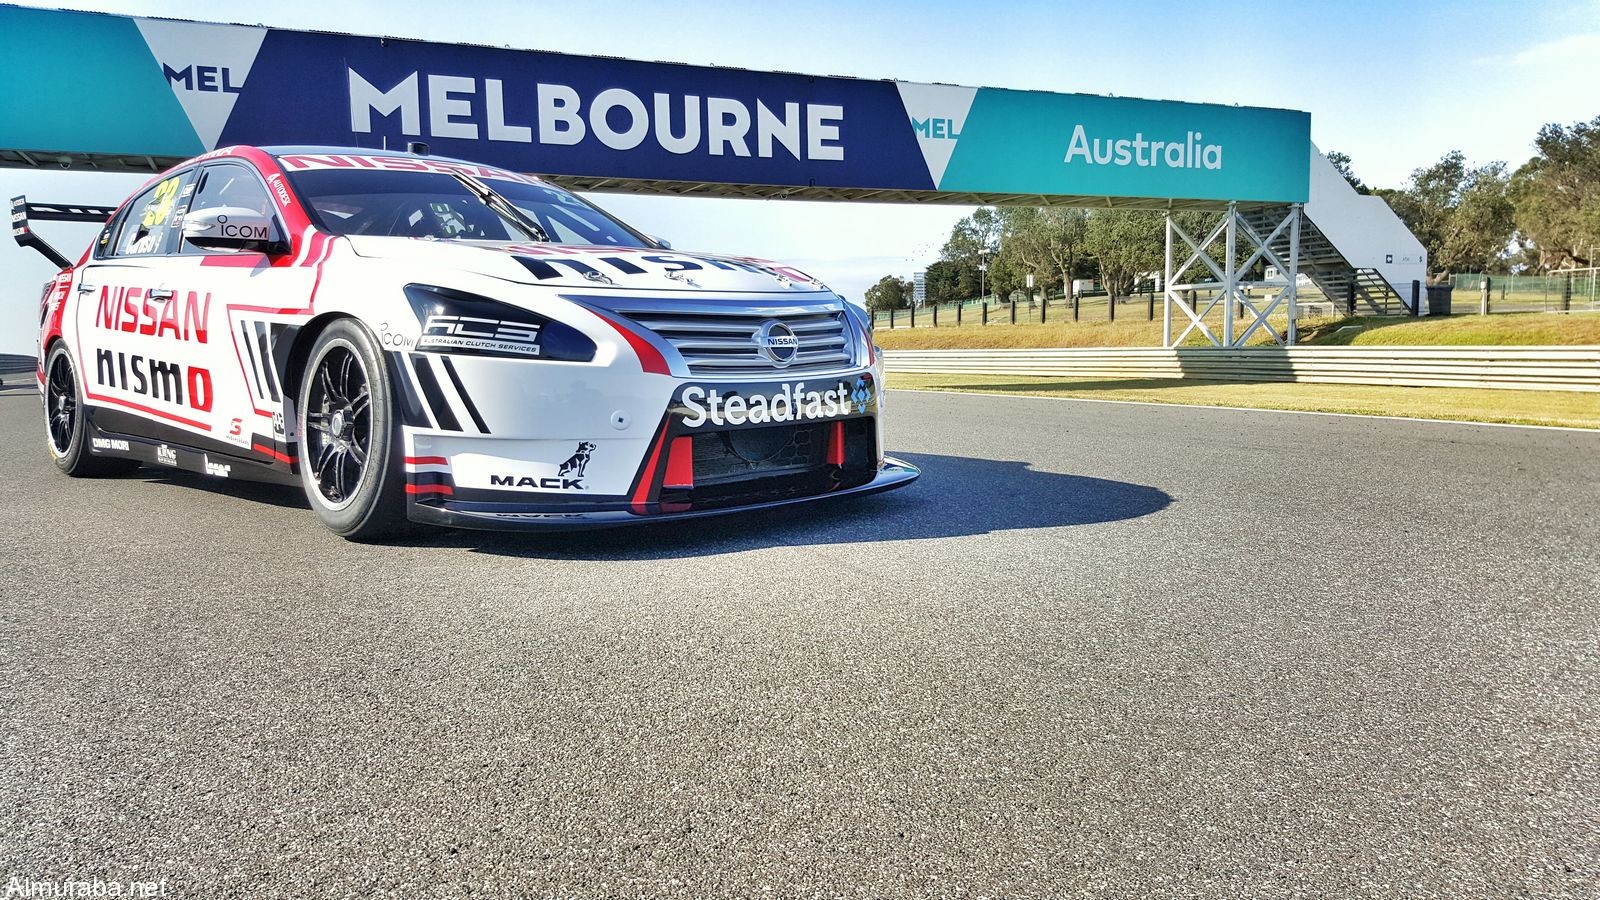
1575 290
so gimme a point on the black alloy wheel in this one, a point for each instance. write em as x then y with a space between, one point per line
338 425
61 404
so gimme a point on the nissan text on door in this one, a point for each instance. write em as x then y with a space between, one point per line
413 339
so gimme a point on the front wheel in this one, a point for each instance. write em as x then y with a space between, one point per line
350 446
67 426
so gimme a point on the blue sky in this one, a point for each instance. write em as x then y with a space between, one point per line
1394 85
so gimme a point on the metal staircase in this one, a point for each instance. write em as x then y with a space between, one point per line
1338 280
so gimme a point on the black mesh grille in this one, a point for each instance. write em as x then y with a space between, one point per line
776 462
725 456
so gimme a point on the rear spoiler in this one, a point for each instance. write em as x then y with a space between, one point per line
23 214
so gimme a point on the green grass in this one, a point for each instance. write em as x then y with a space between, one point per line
1457 330
1135 331
1573 409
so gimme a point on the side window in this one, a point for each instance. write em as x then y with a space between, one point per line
149 226
103 246
229 185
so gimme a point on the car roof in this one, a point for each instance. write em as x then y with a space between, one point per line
324 150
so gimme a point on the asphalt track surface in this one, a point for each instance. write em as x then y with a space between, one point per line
1099 650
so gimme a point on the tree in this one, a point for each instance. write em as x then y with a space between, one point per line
1125 243
950 282
1556 195
974 241
1479 230
1046 242
889 293
1462 215
974 237
1007 274
1341 162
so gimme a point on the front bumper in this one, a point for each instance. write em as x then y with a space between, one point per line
544 461
507 516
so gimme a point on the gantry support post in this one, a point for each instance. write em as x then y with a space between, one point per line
1293 332
1230 279
1230 276
1174 294
1166 289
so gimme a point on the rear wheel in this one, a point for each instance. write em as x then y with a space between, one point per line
350 445
65 425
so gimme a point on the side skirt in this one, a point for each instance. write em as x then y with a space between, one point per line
162 446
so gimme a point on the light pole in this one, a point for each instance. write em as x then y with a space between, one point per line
983 269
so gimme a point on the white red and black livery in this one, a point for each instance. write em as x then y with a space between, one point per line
418 339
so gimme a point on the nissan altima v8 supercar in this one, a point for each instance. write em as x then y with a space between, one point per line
414 339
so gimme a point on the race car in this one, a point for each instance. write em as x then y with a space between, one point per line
414 339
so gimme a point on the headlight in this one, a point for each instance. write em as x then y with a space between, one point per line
457 322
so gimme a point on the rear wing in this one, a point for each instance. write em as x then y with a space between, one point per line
24 214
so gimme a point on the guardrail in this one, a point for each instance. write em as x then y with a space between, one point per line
16 369
1515 368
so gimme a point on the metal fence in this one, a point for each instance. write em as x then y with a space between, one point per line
996 311
1577 290
1138 312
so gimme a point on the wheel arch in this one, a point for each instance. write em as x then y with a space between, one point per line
305 338
50 347
60 340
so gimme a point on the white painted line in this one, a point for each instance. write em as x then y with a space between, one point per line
1300 412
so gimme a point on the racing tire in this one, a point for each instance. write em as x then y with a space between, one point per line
351 450
66 425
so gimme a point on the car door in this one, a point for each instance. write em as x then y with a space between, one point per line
139 351
253 303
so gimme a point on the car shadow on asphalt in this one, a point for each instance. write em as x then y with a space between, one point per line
284 496
955 497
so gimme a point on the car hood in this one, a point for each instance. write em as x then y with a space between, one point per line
594 268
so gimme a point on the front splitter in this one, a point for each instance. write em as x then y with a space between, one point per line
892 474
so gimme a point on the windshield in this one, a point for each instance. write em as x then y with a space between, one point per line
440 206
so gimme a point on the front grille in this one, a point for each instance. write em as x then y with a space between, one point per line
776 462
723 342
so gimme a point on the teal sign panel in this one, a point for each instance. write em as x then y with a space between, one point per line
92 86
1083 145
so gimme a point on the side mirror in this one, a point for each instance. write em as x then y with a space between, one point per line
234 229
662 242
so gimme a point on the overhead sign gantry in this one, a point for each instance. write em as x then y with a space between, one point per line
125 93
120 93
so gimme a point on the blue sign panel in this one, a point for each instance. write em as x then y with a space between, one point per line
575 115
